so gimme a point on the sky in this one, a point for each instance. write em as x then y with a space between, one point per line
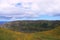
11 10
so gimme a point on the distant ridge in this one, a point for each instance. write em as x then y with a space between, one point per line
31 25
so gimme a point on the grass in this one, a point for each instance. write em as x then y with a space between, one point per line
53 34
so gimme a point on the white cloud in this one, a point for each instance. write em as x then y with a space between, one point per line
29 8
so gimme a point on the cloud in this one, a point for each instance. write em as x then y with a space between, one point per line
5 18
29 8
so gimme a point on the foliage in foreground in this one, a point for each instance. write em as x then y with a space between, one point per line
6 34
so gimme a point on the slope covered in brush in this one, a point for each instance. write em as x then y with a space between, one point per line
6 34
31 26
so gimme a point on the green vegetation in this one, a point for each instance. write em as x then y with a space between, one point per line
31 26
13 30
6 34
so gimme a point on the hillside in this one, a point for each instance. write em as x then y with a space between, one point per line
6 34
31 26
30 30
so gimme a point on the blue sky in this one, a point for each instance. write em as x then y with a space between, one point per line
11 10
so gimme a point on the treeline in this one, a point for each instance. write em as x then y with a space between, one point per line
31 26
